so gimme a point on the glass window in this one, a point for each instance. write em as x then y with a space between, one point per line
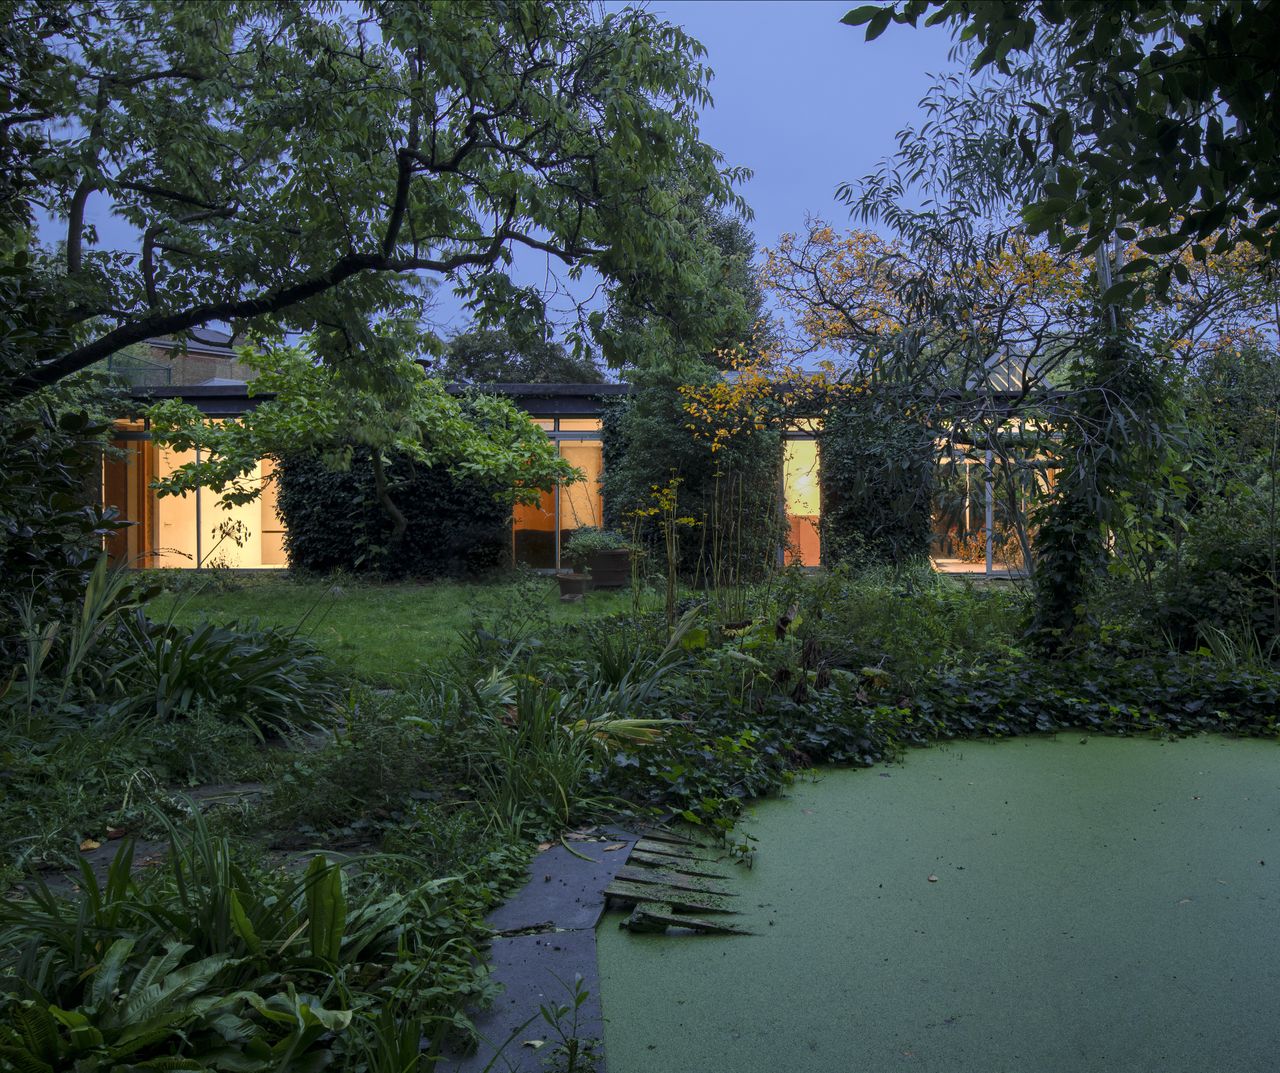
802 494
272 525
579 424
580 503
177 517
533 533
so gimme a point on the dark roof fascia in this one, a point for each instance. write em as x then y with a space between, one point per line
548 400
231 400
215 400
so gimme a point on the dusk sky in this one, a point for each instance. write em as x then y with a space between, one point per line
800 99
803 100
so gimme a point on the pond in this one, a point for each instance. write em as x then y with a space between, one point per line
1070 903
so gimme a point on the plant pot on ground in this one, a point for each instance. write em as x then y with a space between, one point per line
605 554
610 569
573 586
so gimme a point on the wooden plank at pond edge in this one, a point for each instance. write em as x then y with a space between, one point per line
656 916
682 864
673 879
656 892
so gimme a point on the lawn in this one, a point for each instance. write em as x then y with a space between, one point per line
383 634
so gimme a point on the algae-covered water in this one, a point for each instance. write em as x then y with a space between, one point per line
1098 905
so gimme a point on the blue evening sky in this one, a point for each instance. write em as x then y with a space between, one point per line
804 101
801 99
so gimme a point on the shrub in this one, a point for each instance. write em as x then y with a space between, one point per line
1225 580
265 677
335 522
212 962
731 493
51 526
877 479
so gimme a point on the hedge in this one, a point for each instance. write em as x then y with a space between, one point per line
335 522
877 484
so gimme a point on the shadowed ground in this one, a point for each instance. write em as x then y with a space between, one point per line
1099 905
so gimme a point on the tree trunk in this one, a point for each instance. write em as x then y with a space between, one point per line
398 521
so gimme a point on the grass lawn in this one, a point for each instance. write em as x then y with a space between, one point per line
381 633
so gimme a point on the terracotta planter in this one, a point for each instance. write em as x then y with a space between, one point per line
573 586
610 569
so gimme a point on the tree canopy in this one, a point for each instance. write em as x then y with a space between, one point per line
1151 120
481 438
301 166
495 356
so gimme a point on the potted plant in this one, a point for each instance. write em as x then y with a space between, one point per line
573 586
603 554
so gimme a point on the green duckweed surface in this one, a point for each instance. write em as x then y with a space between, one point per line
1099 905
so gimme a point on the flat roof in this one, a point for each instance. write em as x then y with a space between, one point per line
231 398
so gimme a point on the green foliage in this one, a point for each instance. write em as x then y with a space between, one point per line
1141 160
731 493
1224 578
334 522
201 965
482 439
494 356
112 659
877 480
268 679
588 541
51 527
375 765
557 128
1113 451
717 305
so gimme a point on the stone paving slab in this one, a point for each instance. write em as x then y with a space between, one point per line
535 971
563 890
559 906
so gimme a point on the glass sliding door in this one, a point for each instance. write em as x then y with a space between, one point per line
539 532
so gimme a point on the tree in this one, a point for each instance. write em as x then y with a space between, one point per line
481 438
292 167
1140 133
494 356
1152 120
669 330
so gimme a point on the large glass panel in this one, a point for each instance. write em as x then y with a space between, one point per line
176 517
579 424
273 552
238 536
533 533
802 495
581 503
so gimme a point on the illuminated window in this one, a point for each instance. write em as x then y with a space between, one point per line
539 532
190 530
802 495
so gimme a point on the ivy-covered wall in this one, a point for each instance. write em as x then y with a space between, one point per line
877 484
335 522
